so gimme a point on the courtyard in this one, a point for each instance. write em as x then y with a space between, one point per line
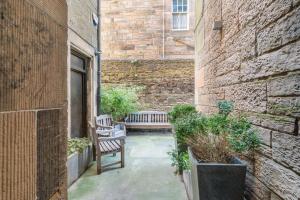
147 175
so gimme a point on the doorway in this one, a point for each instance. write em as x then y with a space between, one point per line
78 95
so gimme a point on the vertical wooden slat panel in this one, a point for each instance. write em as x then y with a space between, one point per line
17 155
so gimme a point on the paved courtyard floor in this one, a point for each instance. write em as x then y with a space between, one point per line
147 174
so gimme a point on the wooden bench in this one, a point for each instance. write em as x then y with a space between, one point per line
148 120
108 138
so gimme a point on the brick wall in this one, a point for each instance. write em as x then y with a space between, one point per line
255 62
165 83
141 29
33 96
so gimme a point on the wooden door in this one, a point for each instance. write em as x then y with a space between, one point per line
78 96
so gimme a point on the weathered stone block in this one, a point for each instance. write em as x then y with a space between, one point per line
278 178
284 106
285 30
283 60
273 122
273 11
264 134
248 96
286 150
255 189
284 86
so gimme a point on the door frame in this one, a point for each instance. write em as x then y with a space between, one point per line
84 73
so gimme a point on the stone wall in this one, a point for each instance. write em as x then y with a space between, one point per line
254 61
33 98
82 39
81 21
141 29
165 83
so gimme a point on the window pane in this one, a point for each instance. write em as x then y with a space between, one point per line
180 21
180 8
175 21
183 21
174 5
185 2
184 8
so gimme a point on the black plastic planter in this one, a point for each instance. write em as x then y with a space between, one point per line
213 181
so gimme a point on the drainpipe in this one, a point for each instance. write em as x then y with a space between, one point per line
163 30
98 57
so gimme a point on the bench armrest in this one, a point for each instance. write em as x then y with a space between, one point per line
112 138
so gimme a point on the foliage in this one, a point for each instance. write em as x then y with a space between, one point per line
77 145
180 160
119 101
188 126
221 136
242 138
225 107
213 138
181 110
210 147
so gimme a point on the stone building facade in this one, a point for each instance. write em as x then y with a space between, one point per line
82 47
33 99
254 61
42 43
142 30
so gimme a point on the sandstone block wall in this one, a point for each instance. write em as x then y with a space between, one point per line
81 20
255 62
33 98
165 83
141 29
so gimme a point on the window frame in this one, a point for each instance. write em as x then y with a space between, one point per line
187 15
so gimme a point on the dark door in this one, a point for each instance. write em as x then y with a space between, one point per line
78 96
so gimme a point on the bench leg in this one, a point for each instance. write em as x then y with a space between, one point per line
99 169
122 156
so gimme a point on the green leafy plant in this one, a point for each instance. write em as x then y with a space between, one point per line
222 136
225 107
77 145
181 110
188 126
119 100
180 160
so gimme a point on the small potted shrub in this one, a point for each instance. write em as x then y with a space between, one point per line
79 158
216 172
182 125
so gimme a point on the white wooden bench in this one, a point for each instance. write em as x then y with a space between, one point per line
148 120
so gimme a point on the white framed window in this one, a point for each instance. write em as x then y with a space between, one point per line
180 17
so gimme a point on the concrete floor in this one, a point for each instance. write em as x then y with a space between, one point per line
147 175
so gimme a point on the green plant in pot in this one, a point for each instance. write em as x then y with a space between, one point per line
217 173
184 120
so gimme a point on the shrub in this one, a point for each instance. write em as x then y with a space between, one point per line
77 145
188 126
210 147
222 136
180 160
181 110
119 101
225 107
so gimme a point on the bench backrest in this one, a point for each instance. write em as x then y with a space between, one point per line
148 117
104 120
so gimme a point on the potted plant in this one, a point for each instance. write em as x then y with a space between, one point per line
216 172
79 158
179 156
